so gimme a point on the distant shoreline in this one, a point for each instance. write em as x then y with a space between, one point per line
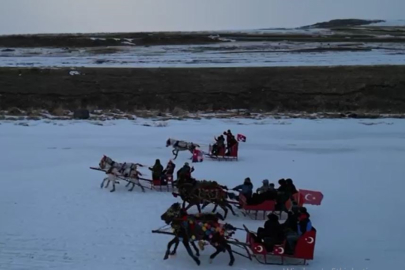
344 90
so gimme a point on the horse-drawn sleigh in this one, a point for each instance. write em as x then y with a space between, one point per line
207 229
116 171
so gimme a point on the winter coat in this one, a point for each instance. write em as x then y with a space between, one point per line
157 171
273 229
263 188
184 172
220 141
291 223
231 141
245 189
282 194
290 189
170 168
270 194
304 224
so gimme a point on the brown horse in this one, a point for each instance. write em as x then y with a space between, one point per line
204 192
192 228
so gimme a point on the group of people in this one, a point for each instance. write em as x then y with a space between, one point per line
266 192
273 233
158 173
221 144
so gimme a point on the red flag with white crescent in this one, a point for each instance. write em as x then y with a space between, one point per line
241 137
311 197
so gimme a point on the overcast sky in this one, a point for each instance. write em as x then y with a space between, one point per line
55 16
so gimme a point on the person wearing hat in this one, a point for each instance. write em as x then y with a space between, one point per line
264 187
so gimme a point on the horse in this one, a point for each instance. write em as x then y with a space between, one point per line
204 192
205 217
180 146
112 176
131 175
188 228
125 168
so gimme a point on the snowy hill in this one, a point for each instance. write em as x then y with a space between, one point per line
342 23
389 23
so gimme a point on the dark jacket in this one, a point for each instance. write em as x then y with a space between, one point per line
170 169
304 224
220 141
157 171
290 189
231 141
184 172
282 194
273 230
291 223
270 194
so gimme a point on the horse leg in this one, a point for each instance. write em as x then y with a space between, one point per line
132 188
229 249
143 189
213 255
205 205
108 183
215 208
102 183
175 153
189 251
231 208
175 240
113 188
197 252
175 247
129 182
189 206
223 207
199 208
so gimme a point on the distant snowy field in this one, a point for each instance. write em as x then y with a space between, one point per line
231 54
53 214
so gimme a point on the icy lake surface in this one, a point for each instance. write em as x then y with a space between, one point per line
55 216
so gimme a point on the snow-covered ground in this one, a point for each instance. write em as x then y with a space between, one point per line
53 214
232 54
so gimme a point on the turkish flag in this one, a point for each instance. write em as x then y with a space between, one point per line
241 137
311 197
